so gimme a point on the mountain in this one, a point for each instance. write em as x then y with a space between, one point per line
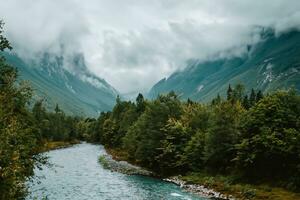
73 88
271 64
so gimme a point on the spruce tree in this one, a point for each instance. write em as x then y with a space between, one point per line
229 93
259 95
140 103
252 98
246 103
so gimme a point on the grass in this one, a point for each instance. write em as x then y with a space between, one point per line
103 162
117 154
227 185
51 145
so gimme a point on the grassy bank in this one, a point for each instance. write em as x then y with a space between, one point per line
51 145
118 154
226 185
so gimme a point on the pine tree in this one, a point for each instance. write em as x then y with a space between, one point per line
259 95
238 92
229 93
140 103
57 109
118 99
216 100
246 103
38 111
189 101
252 98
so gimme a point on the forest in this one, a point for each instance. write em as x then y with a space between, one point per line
252 136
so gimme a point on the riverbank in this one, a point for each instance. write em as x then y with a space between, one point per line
201 190
108 162
227 186
116 161
203 184
123 167
52 145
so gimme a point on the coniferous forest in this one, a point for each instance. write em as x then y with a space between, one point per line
248 135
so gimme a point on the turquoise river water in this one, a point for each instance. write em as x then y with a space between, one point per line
75 174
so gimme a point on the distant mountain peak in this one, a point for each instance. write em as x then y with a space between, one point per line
65 79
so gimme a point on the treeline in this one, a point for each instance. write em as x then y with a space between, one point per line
24 131
56 125
249 136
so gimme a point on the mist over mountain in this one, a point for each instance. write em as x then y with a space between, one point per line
271 64
133 44
66 81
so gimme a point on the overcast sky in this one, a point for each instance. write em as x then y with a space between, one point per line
134 43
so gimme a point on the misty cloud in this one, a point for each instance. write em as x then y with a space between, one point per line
134 43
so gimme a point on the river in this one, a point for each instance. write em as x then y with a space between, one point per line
75 174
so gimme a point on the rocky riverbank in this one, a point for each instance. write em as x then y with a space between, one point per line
126 168
122 166
198 189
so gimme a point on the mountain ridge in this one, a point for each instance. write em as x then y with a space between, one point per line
76 92
271 64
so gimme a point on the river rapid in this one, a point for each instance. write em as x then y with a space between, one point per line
76 174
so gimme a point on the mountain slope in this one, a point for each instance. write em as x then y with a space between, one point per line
271 64
77 91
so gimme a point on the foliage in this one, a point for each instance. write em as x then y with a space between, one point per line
270 143
148 131
23 132
18 135
103 161
246 135
222 135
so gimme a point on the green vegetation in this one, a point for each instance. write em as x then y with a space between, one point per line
248 138
52 145
25 132
18 135
241 190
103 162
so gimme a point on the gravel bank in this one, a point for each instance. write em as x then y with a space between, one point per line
122 166
126 168
198 189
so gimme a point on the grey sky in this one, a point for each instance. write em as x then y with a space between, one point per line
134 43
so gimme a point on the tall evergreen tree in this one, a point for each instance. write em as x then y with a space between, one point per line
246 103
259 95
229 93
252 99
216 100
238 92
140 103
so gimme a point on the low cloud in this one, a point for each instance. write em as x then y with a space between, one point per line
133 44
